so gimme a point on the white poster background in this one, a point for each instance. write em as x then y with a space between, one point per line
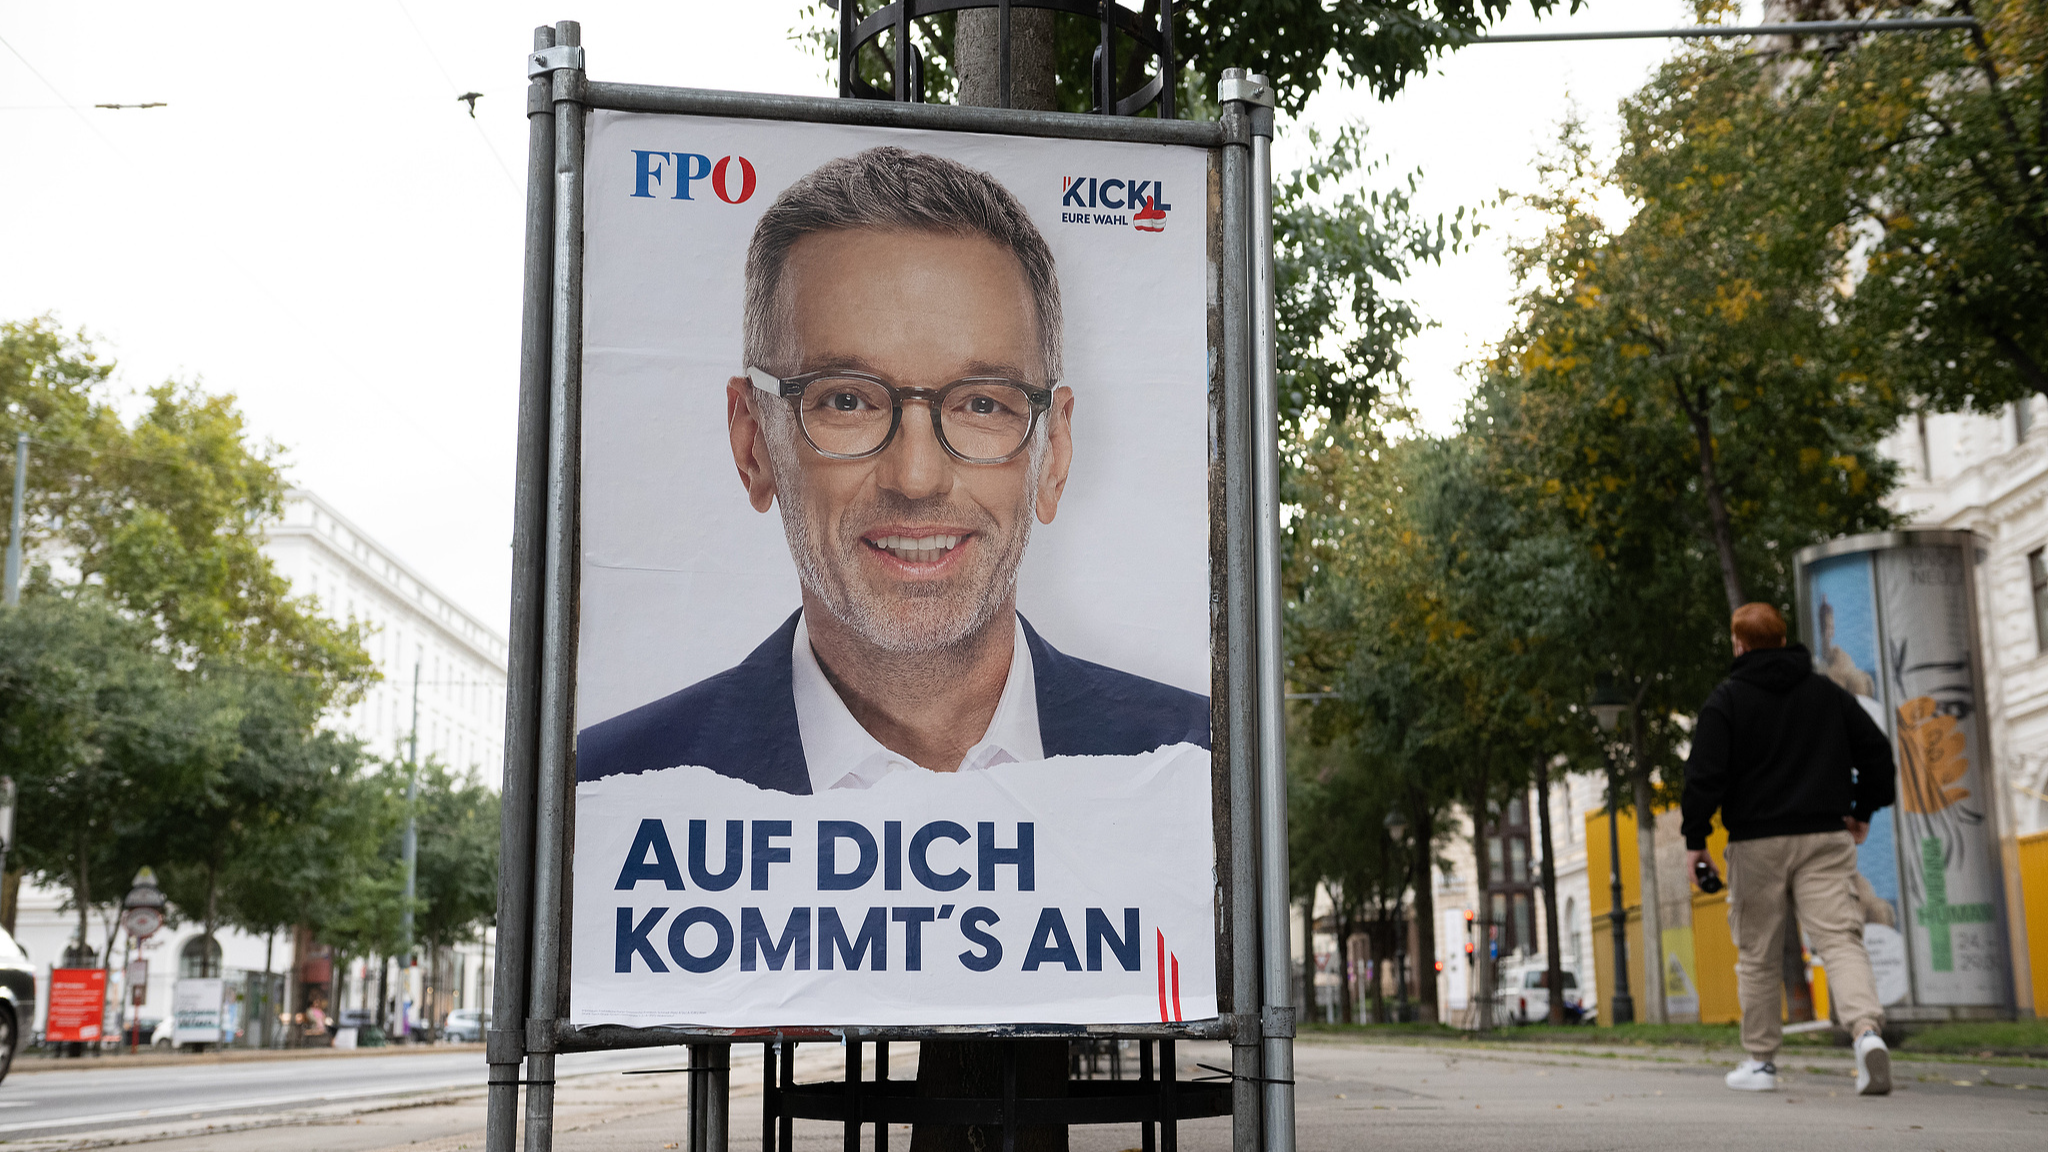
681 579
195 1010
1107 834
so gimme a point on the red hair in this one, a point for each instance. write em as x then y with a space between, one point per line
1758 625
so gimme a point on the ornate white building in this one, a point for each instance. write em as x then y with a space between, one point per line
1988 472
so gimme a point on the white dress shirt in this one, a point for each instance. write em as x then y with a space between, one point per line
841 754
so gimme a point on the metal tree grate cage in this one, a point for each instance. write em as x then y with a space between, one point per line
1152 40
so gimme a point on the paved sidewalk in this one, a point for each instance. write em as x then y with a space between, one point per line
1474 1097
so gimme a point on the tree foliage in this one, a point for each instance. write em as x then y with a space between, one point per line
162 690
1298 44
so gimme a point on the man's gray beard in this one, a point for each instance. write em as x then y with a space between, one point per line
928 631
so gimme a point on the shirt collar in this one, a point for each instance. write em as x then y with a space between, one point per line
839 753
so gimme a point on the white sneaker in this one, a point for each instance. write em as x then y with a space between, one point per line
1873 1066
1756 1076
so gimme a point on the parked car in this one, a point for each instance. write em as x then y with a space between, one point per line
1524 994
464 1025
17 999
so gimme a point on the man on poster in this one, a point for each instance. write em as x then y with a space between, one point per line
902 405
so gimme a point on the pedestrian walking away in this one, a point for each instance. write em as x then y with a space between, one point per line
1796 768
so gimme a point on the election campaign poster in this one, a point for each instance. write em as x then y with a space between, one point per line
196 1010
78 998
894 659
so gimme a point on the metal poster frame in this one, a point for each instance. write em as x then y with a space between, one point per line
529 1024
2011 918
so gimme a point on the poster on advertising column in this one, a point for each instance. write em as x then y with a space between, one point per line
1947 851
894 656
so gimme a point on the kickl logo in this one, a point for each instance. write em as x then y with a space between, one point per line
1139 204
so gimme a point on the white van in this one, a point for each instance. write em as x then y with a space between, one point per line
1524 995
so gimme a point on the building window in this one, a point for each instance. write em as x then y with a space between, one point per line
2037 571
200 957
2022 419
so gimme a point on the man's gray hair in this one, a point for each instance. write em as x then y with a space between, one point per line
888 189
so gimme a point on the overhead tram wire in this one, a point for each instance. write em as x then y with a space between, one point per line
272 297
66 100
463 94
1731 32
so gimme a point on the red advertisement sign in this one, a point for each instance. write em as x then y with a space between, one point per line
77 1000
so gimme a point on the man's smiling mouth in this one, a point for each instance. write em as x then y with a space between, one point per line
915 549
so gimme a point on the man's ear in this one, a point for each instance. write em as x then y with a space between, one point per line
749 443
1059 455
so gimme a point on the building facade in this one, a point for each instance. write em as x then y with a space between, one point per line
426 649
1988 473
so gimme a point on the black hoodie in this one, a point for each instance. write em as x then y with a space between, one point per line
1782 750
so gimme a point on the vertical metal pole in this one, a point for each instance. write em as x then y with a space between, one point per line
13 575
409 847
771 1096
1620 1005
710 1087
881 1076
1009 1099
1275 906
558 629
1169 1108
694 1111
1166 65
506 1045
1003 51
1245 1061
1106 76
1145 1143
852 1097
847 69
785 1123
902 78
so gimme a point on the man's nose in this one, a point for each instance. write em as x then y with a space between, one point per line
915 464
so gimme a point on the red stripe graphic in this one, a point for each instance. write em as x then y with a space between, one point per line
1163 1017
1176 987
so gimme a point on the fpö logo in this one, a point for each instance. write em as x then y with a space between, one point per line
671 174
1119 203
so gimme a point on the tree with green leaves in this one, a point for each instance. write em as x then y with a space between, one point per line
1299 45
99 729
1943 140
168 687
164 514
457 860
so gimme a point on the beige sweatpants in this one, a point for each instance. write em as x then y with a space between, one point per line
1816 871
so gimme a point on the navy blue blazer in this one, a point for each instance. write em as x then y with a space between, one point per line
742 722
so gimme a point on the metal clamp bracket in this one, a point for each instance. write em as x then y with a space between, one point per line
1250 90
1279 1023
554 60
540 1037
504 1046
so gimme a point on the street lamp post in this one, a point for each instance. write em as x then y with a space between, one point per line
1397 831
1608 704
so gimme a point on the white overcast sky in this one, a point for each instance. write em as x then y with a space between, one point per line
317 226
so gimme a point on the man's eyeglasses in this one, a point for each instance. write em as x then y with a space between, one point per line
853 415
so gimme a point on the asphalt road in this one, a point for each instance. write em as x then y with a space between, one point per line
54 1102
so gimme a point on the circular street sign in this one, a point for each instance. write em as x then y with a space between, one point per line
141 922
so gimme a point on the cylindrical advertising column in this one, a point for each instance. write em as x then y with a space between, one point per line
1892 618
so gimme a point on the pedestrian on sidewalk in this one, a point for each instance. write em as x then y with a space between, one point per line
1797 769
